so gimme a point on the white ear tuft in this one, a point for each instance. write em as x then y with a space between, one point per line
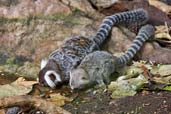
43 63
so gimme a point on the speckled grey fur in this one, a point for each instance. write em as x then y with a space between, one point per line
99 65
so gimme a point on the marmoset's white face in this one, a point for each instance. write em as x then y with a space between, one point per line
79 79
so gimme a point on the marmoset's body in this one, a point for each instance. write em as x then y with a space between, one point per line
97 67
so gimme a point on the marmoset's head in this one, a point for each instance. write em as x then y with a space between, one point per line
49 74
79 79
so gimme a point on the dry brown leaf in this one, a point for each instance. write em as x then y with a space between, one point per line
163 32
27 83
18 87
163 35
22 82
58 99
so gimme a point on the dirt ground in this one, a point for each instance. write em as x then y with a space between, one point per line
145 102
98 101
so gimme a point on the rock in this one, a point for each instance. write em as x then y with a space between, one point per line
156 16
23 44
114 8
8 2
85 6
155 53
30 30
13 110
29 70
31 8
119 41
12 69
33 39
166 1
99 4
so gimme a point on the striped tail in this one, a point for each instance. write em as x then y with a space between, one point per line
138 15
145 33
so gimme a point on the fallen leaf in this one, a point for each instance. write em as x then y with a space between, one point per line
126 86
164 80
167 88
16 88
28 83
21 81
58 99
162 70
163 36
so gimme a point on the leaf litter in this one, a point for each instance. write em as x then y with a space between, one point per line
158 77
18 87
59 99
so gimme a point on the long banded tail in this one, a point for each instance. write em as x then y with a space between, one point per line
145 33
138 15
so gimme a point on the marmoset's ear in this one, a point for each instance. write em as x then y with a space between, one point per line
43 63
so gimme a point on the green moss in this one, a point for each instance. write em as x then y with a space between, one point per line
27 20
53 17
67 18
9 68
3 20
10 61
8 20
